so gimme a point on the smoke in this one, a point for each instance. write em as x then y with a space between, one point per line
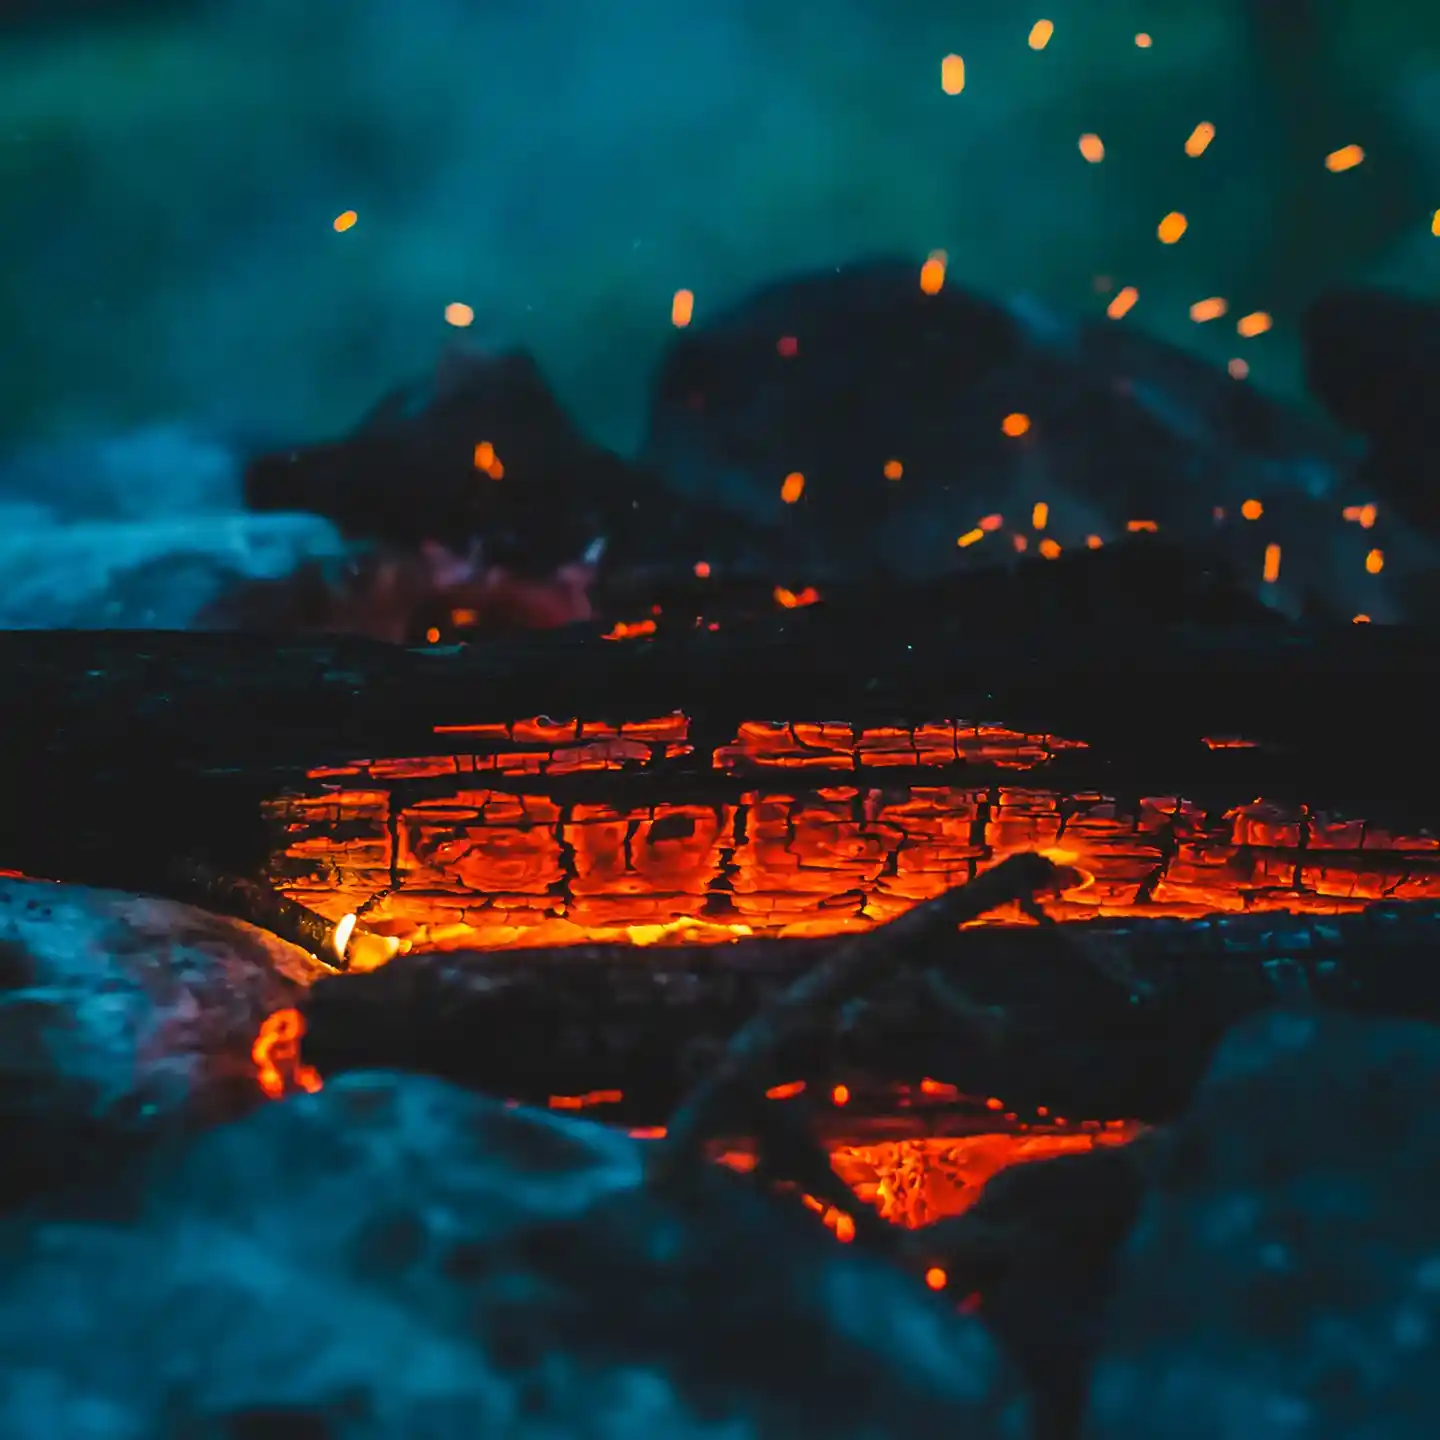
561 166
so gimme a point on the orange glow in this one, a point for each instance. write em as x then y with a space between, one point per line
487 460
1363 515
1020 543
647 1132
787 1091
1143 41
1093 542
1123 303
792 487
702 569
1271 572
1199 139
485 868
844 1228
1360 620
682 308
840 1095
276 1055
1252 509
630 631
1092 147
345 220
432 635
1040 33
459 314
939 1089
1040 515
1136 527
1256 323
1375 562
1172 227
1347 157
1049 548
952 74
932 276
1015 425
1211 309
991 522
462 619
893 469
970 537
791 601
584 1102
936 1278
1238 368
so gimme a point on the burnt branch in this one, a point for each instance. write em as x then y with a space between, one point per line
851 969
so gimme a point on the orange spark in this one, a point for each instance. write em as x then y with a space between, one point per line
1211 309
1049 548
893 469
1092 147
970 537
682 308
1199 138
932 275
991 522
1040 33
345 220
952 74
1172 227
1347 157
1123 303
1256 323
1093 542
787 1091
702 569
1375 561
840 1095
1016 424
1040 515
1136 527
1271 572
936 1278
1252 509
792 487
459 314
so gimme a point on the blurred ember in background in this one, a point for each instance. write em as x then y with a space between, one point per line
202 292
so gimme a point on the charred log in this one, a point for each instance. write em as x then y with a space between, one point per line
1040 1021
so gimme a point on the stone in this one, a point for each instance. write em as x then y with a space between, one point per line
396 1256
122 1021
1283 1277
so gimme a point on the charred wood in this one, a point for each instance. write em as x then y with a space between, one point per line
1043 1023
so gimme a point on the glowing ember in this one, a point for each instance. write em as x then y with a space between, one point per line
276 1053
1123 303
345 220
792 487
1172 227
476 866
952 74
1092 147
1199 139
682 308
916 1182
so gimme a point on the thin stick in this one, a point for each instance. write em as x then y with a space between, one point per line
849 969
